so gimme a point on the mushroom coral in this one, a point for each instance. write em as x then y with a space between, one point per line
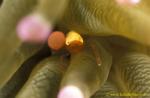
113 62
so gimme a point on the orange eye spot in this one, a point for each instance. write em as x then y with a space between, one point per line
74 42
56 40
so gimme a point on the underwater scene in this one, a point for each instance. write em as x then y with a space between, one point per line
74 48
